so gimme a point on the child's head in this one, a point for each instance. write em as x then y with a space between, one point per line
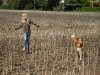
24 18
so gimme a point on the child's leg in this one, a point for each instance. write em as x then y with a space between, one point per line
28 38
25 40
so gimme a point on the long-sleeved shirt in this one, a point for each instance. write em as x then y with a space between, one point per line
26 27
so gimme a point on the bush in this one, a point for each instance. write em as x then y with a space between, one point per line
89 9
28 6
59 8
13 4
4 7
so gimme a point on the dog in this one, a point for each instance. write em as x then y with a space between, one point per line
78 44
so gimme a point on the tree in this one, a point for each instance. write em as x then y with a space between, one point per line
85 3
26 4
53 3
13 4
72 4
22 4
0 2
43 4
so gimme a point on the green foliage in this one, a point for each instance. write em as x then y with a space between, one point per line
4 7
53 3
43 4
28 6
72 4
0 2
49 4
88 3
59 8
85 3
89 9
13 4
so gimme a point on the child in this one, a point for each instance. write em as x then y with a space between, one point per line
26 30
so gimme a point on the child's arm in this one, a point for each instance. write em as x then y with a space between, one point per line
33 23
18 27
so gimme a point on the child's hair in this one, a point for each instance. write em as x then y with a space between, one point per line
23 20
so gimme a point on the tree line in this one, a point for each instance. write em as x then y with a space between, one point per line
50 4
33 4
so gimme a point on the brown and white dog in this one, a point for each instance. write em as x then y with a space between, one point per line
78 44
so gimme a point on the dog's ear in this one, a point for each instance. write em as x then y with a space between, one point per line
79 38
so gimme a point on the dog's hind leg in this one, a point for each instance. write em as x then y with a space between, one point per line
80 54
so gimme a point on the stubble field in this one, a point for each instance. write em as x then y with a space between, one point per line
51 48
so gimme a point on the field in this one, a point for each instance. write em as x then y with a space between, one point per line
51 47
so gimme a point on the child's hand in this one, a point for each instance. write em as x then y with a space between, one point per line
38 26
15 29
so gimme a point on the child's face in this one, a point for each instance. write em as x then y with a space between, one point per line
24 16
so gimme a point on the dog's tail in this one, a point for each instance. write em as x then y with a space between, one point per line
73 37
